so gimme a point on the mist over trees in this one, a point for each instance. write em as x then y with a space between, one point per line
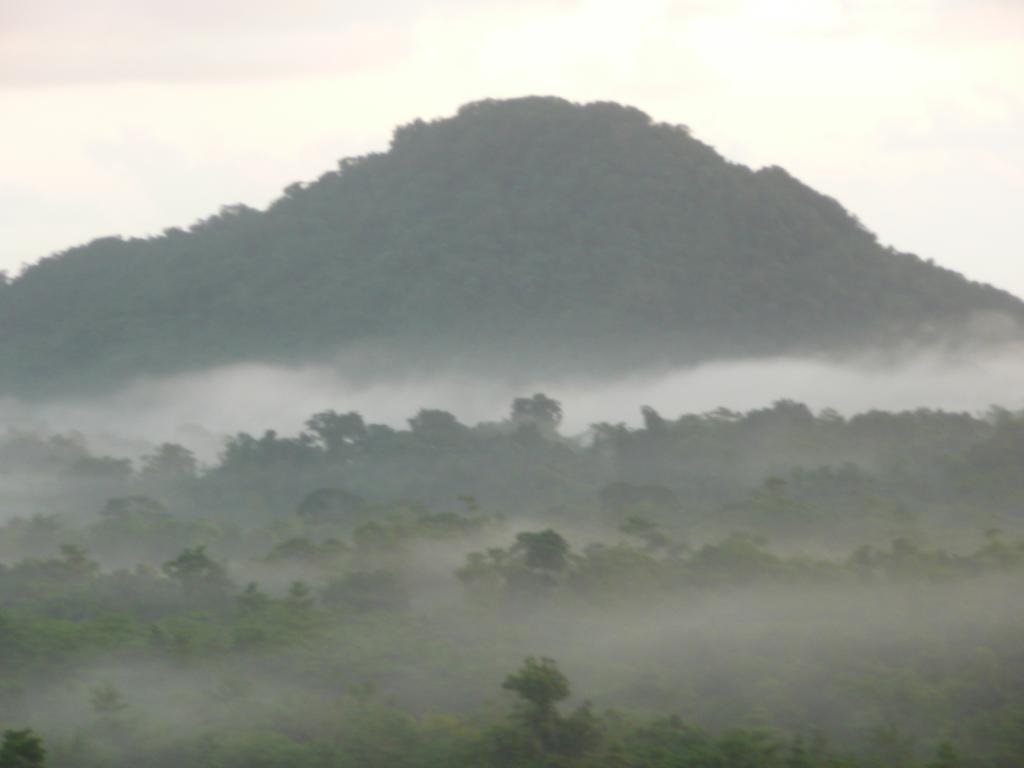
577 238
783 467
772 588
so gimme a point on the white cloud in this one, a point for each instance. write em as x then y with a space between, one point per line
52 42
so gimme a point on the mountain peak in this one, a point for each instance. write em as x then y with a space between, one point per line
581 237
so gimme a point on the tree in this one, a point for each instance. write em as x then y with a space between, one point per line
545 550
339 433
170 463
22 749
541 685
539 411
197 573
436 426
653 421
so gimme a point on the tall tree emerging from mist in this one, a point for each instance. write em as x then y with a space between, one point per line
580 237
541 685
551 738
540 412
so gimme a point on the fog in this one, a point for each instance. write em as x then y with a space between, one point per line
830 654
199 409
854 583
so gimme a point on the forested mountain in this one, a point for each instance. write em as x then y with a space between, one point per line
573 237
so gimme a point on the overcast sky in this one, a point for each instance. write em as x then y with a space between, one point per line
130 116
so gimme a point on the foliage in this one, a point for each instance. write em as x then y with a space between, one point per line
21 749
771 589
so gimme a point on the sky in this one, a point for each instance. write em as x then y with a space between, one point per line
132 116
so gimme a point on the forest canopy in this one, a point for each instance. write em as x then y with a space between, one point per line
776 588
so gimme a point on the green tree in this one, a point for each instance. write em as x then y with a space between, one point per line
22 749
540 685
198 573
545 550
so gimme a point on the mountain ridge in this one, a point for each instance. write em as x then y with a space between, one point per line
569 236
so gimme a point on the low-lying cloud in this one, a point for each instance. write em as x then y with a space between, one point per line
200 409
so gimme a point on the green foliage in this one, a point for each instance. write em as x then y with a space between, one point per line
772 577
540 684
544 550
197 573
22 749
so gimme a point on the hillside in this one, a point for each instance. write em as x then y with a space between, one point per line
526 233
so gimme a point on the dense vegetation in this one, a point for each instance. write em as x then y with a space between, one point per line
530 233
782 471
771 589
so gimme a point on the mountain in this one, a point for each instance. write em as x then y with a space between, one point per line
525 234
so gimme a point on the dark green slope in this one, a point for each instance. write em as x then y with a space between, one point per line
531 232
